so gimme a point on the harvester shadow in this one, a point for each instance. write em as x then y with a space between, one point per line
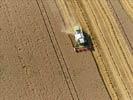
89 43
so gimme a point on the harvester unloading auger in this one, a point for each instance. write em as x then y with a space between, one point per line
80 40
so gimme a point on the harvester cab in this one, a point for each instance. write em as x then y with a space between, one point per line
79 37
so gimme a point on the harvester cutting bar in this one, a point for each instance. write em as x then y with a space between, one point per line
81 49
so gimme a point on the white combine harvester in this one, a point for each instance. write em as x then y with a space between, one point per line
81 42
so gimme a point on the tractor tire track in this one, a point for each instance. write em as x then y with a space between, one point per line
34 86
59 55
120 24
